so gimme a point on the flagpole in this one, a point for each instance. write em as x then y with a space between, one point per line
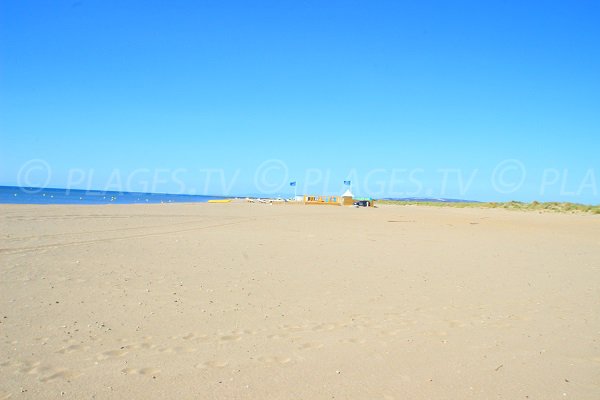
295 185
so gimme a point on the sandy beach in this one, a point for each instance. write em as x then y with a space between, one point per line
251 301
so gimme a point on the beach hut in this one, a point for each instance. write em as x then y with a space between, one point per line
322 200
347 198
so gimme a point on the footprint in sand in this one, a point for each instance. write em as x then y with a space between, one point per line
393 332
585 360
293 328
32 368
353 341
230 338
212 364
5 396
141 371
191 336
275 360
60 373
112 354
72 348
366 318
177 350
245 332
310 345
45 373
454 323
139 346
324 327
278 336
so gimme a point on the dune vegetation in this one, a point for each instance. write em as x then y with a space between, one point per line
562 207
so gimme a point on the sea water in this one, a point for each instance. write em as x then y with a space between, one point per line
24 195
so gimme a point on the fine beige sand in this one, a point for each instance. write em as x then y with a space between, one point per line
251 301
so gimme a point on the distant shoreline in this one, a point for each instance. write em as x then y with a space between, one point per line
55 196
47 196
549 207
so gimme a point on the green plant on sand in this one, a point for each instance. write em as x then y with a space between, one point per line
561 207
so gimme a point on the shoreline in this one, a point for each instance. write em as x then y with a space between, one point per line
534 207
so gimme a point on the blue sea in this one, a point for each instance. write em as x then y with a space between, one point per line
22 195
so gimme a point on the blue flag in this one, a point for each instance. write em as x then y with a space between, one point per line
293 183
347 183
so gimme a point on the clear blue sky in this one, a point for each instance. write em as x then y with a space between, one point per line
371 91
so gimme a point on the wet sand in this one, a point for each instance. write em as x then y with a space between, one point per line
250 301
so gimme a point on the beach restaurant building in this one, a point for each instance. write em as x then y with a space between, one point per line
322 200
346 199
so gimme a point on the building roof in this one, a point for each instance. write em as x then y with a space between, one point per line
347 193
